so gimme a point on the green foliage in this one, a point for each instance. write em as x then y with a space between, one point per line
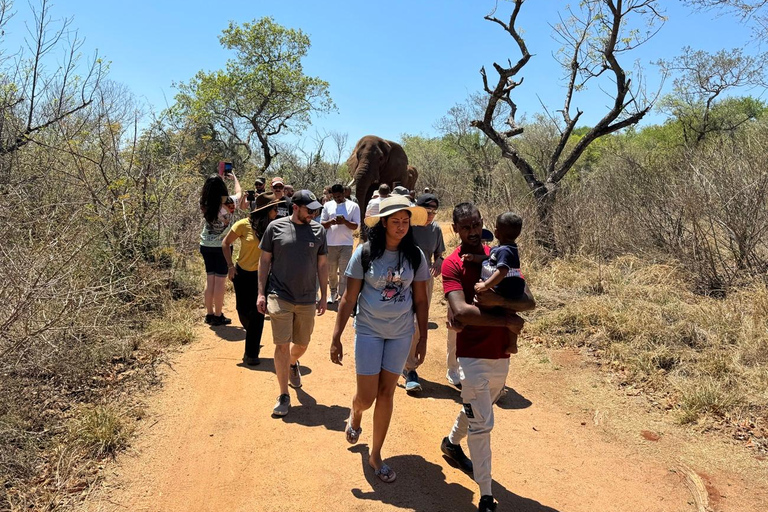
696 119
261 93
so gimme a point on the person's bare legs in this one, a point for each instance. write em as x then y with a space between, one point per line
210 283
219 287
296 352
286 354
367 389
282 364
382 414
511 343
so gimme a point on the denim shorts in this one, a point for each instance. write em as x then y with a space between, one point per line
214 261
373 354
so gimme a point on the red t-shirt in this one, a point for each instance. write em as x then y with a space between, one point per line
473 341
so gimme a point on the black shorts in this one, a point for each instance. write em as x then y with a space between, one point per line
215 264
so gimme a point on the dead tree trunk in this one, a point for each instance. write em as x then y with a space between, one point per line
592 40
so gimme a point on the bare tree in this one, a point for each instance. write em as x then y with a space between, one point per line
593 39
32 99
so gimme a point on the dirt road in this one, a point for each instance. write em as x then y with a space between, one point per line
564 441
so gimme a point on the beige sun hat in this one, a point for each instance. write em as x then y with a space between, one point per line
395 203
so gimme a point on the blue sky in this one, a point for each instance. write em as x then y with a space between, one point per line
394 67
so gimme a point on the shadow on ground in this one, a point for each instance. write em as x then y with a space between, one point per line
311 414
421 486
229 332
512 399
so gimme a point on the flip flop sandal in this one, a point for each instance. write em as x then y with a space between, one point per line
385 474
353 434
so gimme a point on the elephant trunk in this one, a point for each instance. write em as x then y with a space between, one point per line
366 179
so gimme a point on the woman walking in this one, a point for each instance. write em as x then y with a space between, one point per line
387 277
245 273
217 207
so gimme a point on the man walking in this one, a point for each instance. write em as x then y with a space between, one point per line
429 239
480 348
293 258
340 218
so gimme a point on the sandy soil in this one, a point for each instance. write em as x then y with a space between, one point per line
565 441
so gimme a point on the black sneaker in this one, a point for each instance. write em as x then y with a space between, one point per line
221 320
251 361
210 318
456 456
486 504
412 381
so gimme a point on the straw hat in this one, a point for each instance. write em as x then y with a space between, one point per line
394 204
265 200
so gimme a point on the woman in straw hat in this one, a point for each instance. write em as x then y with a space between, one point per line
387 278
245 273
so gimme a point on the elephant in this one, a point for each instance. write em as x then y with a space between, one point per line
413 175
375 161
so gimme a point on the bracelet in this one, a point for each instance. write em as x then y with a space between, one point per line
231 265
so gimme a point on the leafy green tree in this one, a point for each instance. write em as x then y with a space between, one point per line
262 93
699 101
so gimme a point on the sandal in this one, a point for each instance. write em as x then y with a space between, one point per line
353 434
386 474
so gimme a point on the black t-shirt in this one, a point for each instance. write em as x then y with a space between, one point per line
284 209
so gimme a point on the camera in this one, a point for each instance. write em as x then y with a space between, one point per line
251 195
225 168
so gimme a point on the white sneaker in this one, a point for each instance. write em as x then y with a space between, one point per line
453 378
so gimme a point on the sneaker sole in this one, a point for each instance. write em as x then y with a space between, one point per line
451 461
413 387
281 414
294 387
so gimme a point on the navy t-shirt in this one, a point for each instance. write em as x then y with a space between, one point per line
513 285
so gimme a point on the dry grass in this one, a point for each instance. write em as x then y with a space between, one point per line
706 357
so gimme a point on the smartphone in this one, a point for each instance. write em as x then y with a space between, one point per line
225 168
251 195
339 218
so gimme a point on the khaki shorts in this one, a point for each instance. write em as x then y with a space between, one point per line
290 322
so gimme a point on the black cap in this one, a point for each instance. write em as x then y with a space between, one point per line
306 198
261 180
425 199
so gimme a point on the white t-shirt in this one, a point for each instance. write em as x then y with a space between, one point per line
373 206
340 234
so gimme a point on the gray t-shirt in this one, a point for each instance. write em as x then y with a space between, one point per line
429 238
294 249
385 305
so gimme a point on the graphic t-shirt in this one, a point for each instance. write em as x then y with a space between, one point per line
340 234
294 248
214 232
284 209
248 259
513 284
385 305
474 340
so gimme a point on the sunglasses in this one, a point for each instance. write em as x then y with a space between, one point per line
278 187
313 211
